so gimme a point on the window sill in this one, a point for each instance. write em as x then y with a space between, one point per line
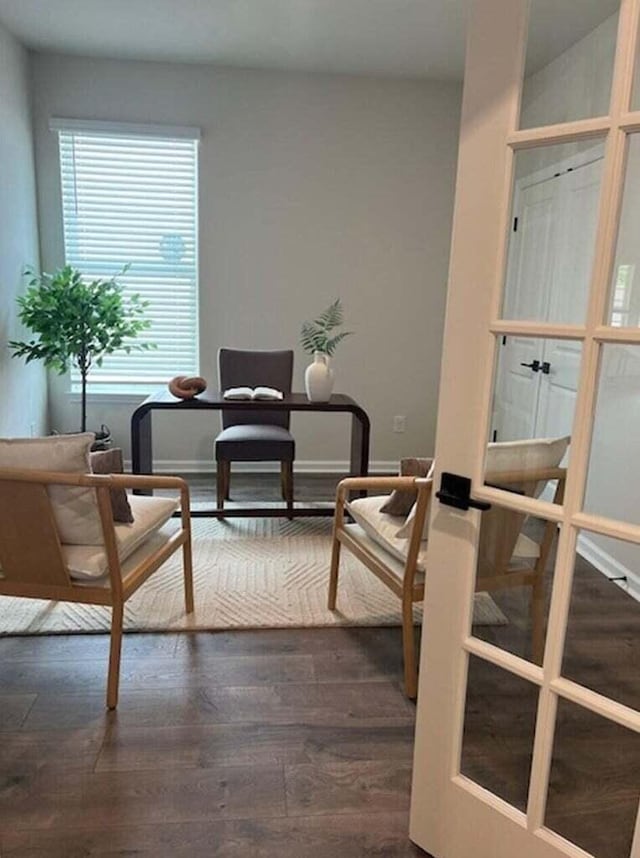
124 397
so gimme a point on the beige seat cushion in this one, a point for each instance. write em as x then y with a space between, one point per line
381 529
89 562
75 509
395 566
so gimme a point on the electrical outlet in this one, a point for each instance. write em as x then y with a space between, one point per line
399 423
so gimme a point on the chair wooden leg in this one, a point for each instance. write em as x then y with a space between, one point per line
537 620
187 563
283 482
227 480
333 574
286 475
115 649
409 649
220 484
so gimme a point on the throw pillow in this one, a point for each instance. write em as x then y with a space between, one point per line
404 532
75 509
401 500
110 462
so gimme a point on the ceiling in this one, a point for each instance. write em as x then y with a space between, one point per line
416 38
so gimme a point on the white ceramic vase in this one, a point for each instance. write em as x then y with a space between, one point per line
318 378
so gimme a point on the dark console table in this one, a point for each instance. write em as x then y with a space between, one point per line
142 443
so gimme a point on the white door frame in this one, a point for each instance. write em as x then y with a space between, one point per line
452 816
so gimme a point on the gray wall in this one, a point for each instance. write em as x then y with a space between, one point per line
22 388
311 187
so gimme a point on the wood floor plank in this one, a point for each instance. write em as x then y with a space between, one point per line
367 703
347 787
365 642
138 748
107 799
147 673
348 836
74 647
354 665
26 753
14 708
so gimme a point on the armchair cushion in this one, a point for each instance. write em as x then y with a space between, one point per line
382 527
400 501
528 455
390 561
89 562
75 509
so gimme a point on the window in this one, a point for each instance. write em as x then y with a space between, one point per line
129 197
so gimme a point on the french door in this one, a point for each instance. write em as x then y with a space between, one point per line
516 756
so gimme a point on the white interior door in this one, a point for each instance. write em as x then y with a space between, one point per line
550 258
519 793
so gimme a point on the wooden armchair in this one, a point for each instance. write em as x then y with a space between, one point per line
506 556
34 563
405 578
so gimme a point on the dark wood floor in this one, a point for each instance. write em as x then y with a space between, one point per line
272 743
294 742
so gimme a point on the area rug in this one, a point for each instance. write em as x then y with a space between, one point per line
248 574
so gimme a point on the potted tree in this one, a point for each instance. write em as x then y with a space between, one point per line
77 322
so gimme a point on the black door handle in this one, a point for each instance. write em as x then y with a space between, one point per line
455 491
534 366
546 367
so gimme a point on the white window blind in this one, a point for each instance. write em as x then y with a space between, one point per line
131 199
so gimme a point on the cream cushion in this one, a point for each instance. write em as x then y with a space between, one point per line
89 562
75 509
529 455
381 529
379 526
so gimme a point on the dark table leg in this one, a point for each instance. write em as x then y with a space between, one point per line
360 432
141 446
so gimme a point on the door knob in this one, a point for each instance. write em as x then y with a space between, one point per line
455 490
534 366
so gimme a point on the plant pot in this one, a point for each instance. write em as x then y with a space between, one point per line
318 378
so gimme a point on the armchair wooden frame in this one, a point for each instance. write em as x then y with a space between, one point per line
499 533
409 590
34 567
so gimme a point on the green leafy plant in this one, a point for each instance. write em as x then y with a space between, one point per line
319 336
77 322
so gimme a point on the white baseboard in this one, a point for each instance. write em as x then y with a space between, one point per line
310 466
609 566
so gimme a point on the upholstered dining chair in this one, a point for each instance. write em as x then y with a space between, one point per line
257 434
118 558
507 557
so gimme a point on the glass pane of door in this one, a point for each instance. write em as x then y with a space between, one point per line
514 578
602 645
569 64
535 390
499 725
624 301
593 788
613 478
554 208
